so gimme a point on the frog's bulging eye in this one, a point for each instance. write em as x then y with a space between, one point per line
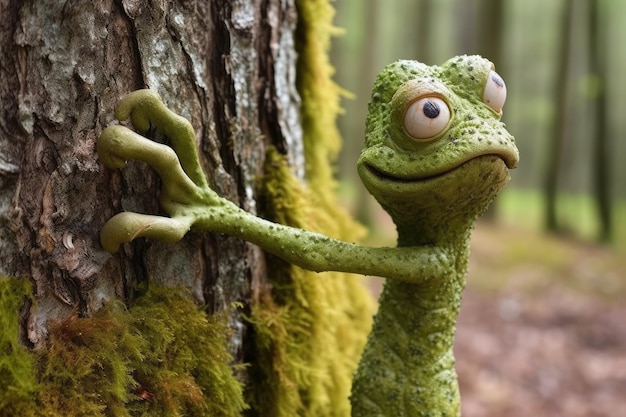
426 118
495 92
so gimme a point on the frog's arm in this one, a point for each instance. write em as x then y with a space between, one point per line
189 202
318 252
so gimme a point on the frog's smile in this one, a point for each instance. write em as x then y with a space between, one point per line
477 175
377 173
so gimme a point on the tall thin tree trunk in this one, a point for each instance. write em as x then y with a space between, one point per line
601 144
425 23
557 135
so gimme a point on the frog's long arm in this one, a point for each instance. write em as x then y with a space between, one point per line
189 202
317 252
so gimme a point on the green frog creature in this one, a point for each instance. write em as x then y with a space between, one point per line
435 156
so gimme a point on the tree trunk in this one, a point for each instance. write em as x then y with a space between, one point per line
228 66
490 45
601 150
69 65
424 16
558 128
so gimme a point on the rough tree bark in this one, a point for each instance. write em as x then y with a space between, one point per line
226 66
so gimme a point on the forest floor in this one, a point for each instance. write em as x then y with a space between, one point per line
542 328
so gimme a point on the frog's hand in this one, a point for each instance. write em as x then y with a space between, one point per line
126 226
118 144
145 108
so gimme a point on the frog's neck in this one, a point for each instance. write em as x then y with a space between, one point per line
430 306
407 303
452 232
409 354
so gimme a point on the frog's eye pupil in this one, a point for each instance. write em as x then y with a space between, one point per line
494 94
426 117
431 109
497 79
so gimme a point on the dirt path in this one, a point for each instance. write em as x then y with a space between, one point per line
542 330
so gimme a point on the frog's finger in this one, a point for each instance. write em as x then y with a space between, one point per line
118 144
145 108
126 226
138 106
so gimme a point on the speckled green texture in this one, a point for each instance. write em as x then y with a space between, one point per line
18 381
434 190
162 356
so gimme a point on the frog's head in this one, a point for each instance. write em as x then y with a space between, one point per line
435 149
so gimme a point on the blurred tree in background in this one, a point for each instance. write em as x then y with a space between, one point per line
562 64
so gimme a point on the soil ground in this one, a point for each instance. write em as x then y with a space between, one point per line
542 328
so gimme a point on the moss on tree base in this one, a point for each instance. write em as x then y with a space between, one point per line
161 356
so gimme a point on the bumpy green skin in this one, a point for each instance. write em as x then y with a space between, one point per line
434 190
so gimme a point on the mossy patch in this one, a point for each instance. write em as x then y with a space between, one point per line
309 332
161 357
18 382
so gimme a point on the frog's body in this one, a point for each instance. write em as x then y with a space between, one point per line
436 154
434 191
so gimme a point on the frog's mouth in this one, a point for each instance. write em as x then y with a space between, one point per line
478 173
405 176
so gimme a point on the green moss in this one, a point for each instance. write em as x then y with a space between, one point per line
186 367
161 357
320 104
18 380
86 369
310 330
